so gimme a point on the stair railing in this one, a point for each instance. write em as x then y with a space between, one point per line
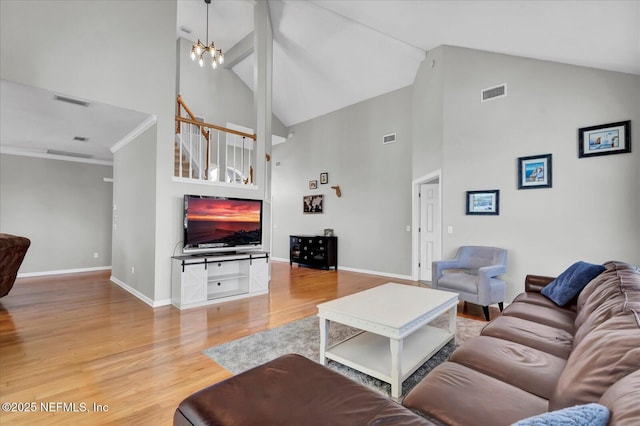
198 154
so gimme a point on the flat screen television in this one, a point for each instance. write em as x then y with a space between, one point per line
220 224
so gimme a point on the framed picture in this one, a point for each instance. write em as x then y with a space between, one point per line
313 184
605 139
324 178
483 202
313 203
534 172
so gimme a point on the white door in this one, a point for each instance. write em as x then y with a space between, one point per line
429 228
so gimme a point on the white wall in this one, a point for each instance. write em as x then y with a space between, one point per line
427 114
134 223
590 214
63 207
371 217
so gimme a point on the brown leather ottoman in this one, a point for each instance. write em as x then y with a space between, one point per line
292 390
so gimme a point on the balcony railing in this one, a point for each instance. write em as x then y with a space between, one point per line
207 152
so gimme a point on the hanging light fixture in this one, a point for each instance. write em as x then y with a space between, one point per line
198 50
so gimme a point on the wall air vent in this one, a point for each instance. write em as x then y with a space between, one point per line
80 139
70 100
390 138
494 92
68 154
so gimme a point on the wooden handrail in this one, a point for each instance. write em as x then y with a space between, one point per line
179 115
202 126
213 126
192 115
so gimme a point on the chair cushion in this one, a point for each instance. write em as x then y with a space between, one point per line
459 281
486 401
605 355
570 282
552 340
527 368
554 317
539 299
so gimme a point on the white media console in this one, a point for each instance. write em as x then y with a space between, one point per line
203 279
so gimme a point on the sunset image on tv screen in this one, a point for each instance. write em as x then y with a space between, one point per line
223 222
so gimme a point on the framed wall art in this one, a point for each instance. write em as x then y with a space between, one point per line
534 172
324 178
313 184
313 203
605 139
483 202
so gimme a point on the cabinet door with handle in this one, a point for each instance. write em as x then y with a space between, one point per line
259 273
194 280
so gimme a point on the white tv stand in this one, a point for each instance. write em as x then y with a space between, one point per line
203 279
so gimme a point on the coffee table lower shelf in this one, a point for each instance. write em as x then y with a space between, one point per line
371 354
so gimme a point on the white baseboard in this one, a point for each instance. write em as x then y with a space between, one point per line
382 274
136 293
362 271
63 271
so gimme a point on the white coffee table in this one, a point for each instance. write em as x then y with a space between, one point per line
396 338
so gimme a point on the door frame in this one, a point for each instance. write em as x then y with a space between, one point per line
415 217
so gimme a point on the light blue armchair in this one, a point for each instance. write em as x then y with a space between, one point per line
474 278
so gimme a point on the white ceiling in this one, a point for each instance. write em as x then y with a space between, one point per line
329 54
33 122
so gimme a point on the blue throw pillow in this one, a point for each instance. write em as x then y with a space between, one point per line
580 415
571 282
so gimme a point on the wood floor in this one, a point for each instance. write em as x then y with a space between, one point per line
87 351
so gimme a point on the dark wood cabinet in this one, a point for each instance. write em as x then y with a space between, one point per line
314 251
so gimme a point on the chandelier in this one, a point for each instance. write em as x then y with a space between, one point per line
199 49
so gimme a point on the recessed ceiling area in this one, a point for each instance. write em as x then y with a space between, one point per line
40 122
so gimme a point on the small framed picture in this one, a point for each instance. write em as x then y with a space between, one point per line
324 178
534 172
313 184
483 202
605 139
313 203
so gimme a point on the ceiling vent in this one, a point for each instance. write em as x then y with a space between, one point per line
68 154
494 92
70 100
80 138
390 138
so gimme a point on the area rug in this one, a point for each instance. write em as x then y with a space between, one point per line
303 337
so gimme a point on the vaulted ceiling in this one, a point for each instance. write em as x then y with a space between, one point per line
329 54
332 53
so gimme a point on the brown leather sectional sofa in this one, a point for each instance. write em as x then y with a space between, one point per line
536 357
